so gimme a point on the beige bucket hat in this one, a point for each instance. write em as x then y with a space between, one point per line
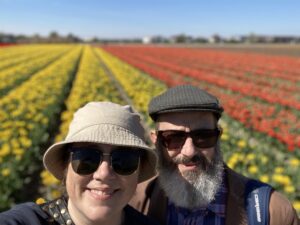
106 123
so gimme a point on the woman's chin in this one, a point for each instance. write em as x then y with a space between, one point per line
103 213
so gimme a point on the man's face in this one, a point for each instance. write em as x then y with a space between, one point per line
195 170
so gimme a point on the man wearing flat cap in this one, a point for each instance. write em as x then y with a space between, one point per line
194 185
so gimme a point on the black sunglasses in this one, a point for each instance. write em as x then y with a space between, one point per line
175 139
86 160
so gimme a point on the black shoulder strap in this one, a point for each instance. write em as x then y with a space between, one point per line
257 198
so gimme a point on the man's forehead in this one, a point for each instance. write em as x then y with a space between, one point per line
186 118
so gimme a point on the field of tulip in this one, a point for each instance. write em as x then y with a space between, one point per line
5 44
43 85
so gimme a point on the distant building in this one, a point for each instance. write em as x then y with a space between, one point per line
200 40
147 40
253 38
235 39
215 39
154 39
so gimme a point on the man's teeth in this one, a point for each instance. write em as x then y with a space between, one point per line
101 193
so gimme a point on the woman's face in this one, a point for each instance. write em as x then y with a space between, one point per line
99 196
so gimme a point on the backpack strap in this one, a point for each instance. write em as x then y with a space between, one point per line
257 197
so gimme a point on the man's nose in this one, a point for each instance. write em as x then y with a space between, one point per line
189 149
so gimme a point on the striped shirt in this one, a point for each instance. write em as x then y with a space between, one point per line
213 214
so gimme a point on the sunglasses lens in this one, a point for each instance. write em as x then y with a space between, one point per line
205 138
85 161
125 162
173 139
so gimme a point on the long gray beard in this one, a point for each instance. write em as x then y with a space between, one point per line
192 189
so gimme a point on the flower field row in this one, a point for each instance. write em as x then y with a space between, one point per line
287 94
281 119
138 86
257 64
17 50
25 55
5 44
218 75
26 115
13 76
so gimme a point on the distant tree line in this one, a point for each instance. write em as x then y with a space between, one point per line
55 37
251 38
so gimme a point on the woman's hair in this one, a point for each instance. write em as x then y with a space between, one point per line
65 160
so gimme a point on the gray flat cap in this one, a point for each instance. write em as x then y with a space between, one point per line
184 98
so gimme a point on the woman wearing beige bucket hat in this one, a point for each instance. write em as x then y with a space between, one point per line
101 161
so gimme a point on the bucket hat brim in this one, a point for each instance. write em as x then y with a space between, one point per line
103 134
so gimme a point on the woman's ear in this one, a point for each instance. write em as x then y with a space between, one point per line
153 136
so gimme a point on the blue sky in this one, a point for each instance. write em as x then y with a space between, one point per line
133 18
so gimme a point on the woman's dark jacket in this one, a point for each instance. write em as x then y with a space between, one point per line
33 214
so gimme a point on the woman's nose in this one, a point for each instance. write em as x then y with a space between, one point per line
104 170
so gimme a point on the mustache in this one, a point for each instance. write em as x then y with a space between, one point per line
198 159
